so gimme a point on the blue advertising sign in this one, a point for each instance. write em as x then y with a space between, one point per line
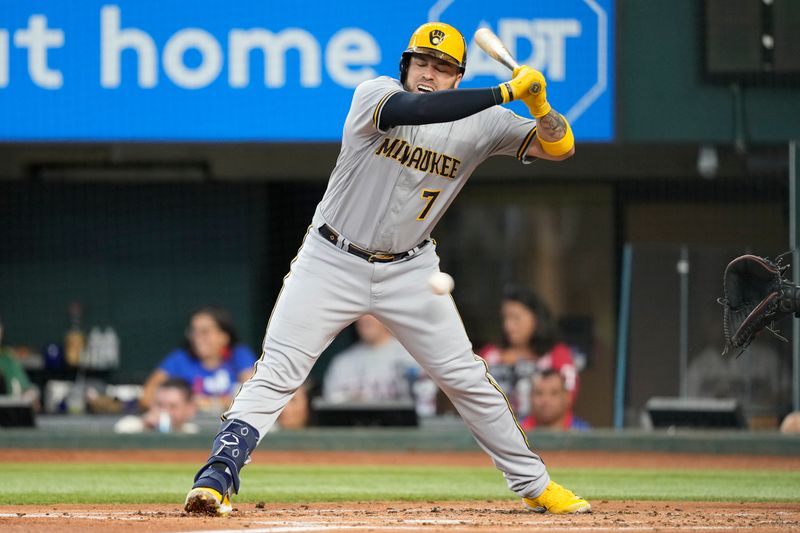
250 70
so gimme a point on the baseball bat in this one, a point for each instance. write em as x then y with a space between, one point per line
494 47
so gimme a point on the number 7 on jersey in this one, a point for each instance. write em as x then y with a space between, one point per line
430 196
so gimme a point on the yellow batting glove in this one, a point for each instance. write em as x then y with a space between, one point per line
536 100
526 82
538 105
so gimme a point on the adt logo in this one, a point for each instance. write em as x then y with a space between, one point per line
570 41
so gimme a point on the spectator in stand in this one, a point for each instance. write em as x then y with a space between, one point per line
14 380
530 344
212 362
376 369
759 378
551 404
295 414
791 424
172 411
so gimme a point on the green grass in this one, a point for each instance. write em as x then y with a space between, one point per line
167 483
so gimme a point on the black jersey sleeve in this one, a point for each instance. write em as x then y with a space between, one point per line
405 108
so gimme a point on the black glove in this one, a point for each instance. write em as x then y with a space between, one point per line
756 295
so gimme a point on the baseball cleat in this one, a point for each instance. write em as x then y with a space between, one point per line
207 501
557 500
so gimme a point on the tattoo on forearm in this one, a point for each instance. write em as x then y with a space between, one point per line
552 126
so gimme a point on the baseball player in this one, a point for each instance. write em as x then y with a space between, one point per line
408 147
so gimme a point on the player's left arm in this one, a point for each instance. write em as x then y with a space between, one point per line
552 128
548 136
554 140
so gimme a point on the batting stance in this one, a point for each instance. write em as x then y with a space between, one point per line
408 147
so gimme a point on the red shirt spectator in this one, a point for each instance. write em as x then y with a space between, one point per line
529 344
559 358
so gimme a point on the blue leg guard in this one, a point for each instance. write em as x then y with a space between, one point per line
229 453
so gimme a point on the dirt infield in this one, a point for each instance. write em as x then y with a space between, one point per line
392 517
506 516
593 459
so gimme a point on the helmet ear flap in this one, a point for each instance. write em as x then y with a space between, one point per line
404 60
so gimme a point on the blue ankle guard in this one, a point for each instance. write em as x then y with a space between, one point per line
232 448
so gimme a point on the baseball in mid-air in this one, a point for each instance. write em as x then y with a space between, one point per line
441 282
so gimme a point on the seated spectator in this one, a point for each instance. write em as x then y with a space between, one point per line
295 414
376 369
211 362
551 404
530 344
791 424
758 378
14 380
172 411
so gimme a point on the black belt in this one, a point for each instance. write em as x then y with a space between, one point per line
372 257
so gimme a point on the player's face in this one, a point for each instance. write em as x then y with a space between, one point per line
427 74
519 323
549 399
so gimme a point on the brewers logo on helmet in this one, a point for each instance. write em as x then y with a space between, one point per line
436 37
439 40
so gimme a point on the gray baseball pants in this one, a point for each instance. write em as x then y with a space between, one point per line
327 289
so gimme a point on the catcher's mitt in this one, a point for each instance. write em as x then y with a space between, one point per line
755 295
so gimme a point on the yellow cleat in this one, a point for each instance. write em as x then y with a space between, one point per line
206 501
557 500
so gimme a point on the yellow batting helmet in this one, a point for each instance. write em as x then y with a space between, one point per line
439 40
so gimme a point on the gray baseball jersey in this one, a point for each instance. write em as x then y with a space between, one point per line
390 188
